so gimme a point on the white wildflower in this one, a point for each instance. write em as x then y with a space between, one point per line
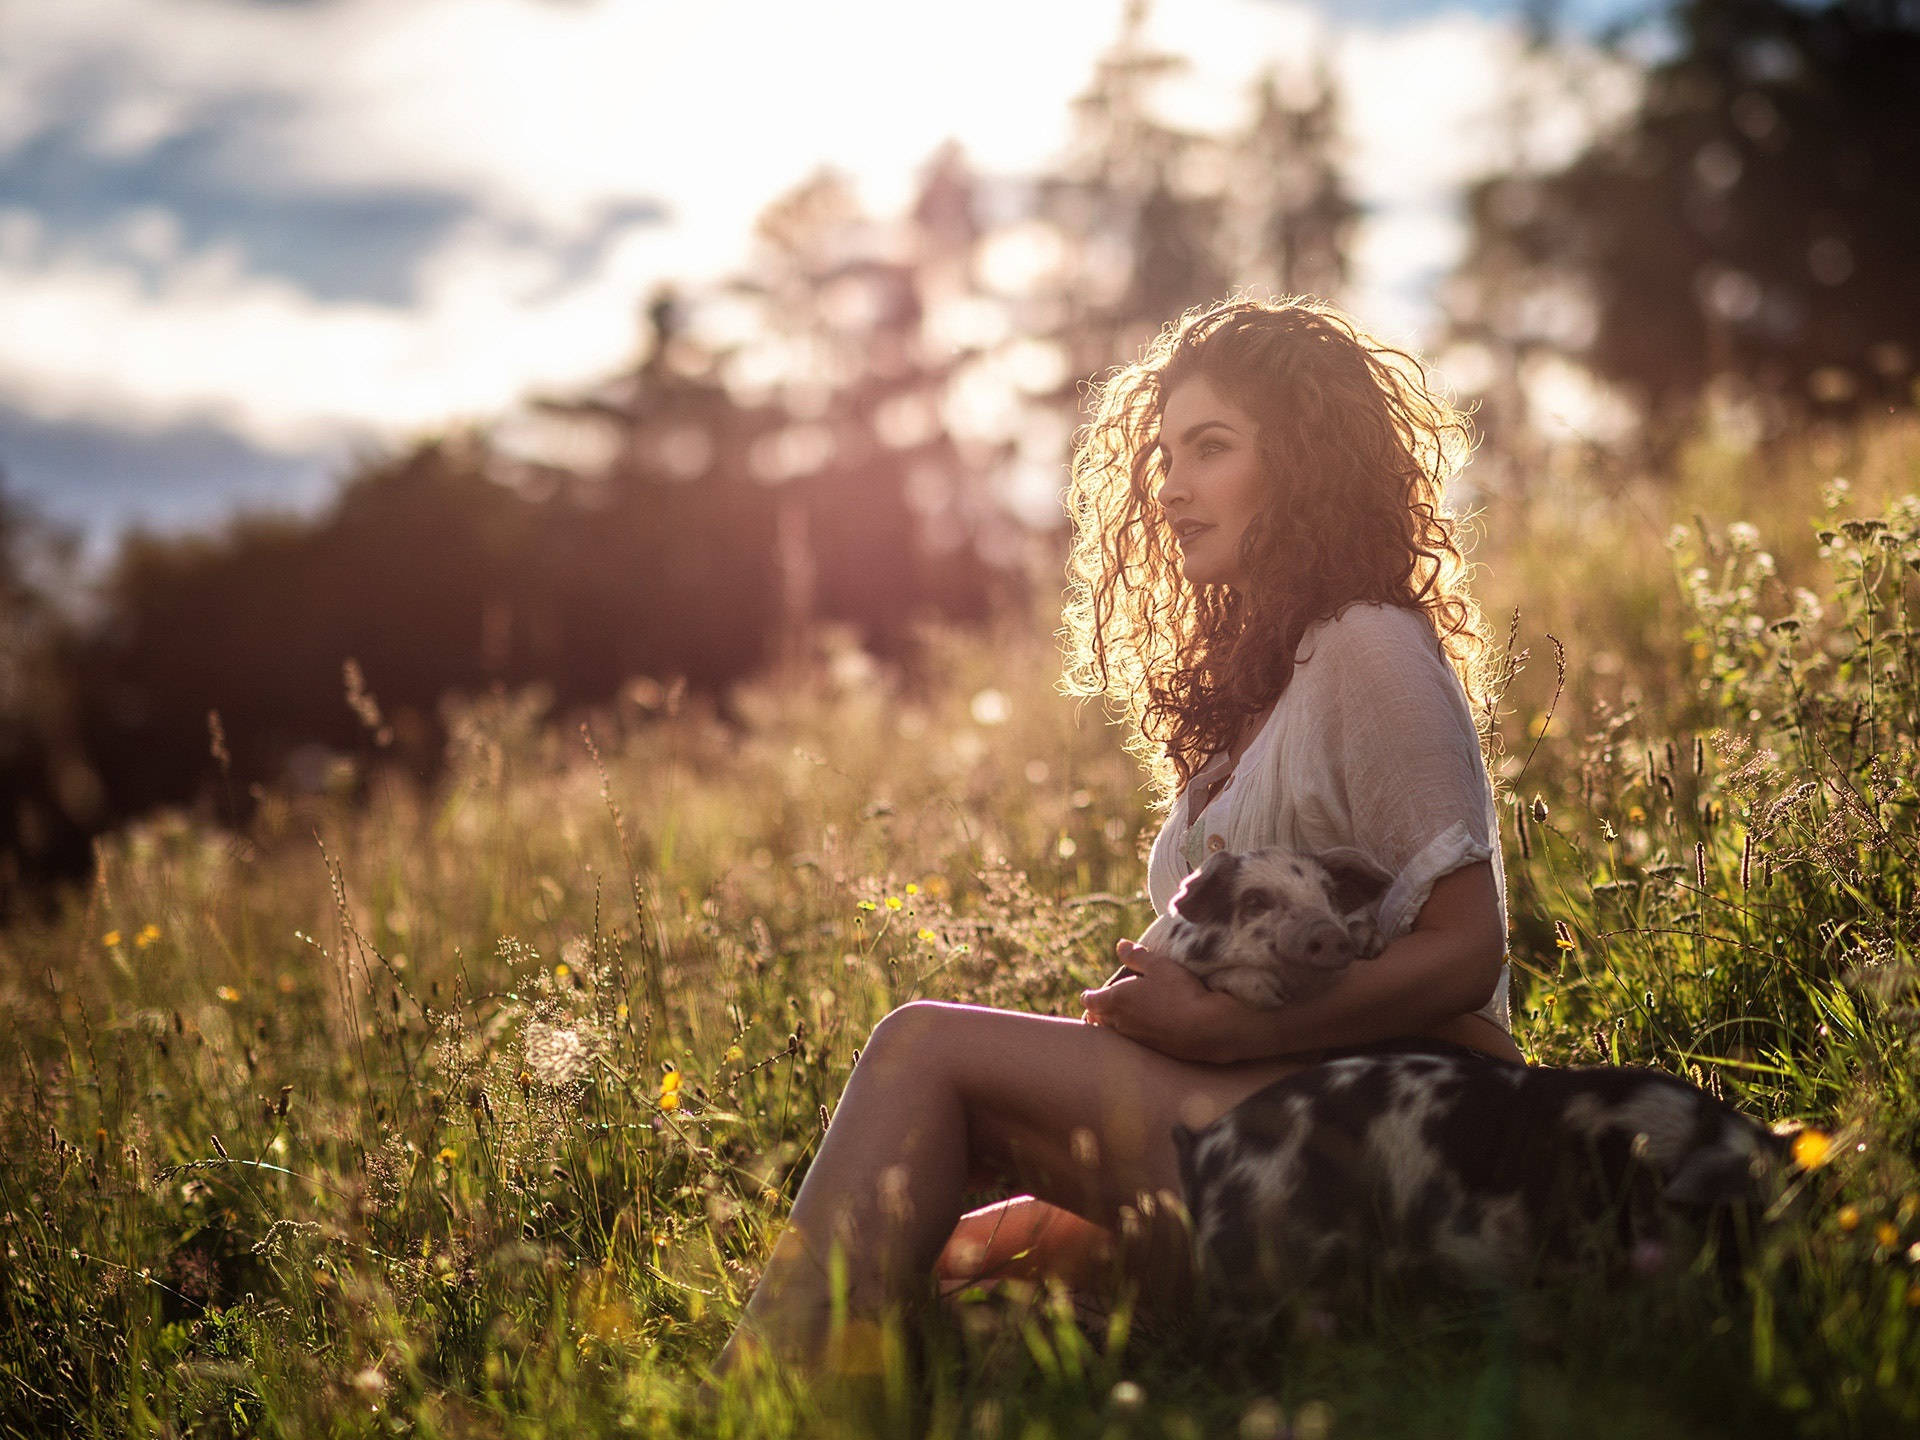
556 1055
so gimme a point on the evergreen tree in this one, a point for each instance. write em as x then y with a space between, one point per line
1297 212
1750 226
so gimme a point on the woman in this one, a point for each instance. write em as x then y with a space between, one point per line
1265 581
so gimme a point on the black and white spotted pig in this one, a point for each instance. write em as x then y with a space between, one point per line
1272 926
1435 1161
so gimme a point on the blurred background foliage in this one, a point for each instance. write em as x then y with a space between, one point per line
867 428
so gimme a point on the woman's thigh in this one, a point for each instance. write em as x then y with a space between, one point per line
1075 1114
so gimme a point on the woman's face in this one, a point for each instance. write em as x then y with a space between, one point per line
1213 487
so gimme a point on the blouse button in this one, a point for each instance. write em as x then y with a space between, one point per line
1216 842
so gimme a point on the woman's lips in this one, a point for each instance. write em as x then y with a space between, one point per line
1188 533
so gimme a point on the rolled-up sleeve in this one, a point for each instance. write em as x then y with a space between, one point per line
1385 758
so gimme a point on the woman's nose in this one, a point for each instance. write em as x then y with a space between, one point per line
1169 494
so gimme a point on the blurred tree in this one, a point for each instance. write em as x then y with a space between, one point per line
662 547
1747 233
419 573
1140 206
1298 213
877 509
50 796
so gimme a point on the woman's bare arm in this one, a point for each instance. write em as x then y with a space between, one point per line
1444 968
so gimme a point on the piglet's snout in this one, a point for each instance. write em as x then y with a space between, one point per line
1326 943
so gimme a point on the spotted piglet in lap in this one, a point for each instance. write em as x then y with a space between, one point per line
1271 926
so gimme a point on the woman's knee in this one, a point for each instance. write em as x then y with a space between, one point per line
919 1030
910 1045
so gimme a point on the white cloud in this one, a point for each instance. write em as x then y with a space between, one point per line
86 339
544 116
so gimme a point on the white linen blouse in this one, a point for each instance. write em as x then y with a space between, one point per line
1371 748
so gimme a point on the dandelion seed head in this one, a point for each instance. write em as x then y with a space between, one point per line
555 1055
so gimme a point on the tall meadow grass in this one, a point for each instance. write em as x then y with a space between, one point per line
474 1110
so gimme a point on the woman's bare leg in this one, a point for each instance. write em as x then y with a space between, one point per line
1076 1113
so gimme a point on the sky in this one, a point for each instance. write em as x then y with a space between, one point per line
243 242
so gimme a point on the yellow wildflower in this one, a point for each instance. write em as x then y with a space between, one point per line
110 939
1812 1149
1636 814
447 1155
670 1100
670 1081
228 994
621 1012
1848 1218
867 907
562 970
1887 1233
894 902
912 889
926 934
148 934
734 1052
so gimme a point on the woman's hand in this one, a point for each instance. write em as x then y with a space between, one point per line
1164 1007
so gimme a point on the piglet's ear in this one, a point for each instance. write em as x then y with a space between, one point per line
1206 896
1357 881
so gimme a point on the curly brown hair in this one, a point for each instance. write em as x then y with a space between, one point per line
1355 449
